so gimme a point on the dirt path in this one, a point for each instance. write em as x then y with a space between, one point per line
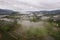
0 36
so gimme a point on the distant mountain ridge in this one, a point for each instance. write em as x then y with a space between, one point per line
6 12
54 12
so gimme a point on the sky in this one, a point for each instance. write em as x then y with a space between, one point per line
30 5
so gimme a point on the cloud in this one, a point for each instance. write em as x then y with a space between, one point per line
19 5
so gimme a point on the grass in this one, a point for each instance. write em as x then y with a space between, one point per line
35 19
37 31
35 34
55 33
6 27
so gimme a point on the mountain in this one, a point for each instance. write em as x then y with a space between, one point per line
52 12
6 12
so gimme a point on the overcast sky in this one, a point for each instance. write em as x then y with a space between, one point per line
30 4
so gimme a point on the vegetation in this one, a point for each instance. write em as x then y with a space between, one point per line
35 19
7 27
51 30
54 29
34 34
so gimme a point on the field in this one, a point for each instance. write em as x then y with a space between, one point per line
13 28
